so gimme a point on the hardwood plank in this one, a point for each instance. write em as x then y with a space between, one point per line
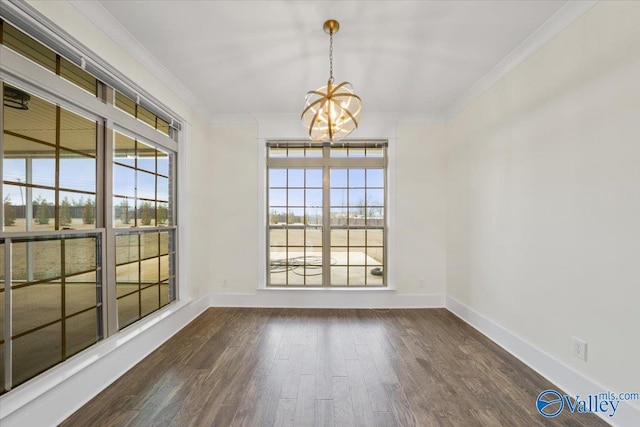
306 402
294 367
324 413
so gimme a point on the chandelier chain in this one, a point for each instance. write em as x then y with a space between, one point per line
331 56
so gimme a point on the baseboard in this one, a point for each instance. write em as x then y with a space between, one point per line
54 395
327 298
566 378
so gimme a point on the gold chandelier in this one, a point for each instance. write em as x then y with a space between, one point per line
331 113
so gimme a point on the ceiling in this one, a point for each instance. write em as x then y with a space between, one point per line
261 57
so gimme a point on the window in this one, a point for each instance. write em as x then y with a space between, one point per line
88 218
326 214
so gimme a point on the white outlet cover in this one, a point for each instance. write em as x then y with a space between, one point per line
579 348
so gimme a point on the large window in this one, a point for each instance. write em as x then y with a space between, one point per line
88 237
326 214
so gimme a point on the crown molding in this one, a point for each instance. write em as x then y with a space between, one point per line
568 13
102 19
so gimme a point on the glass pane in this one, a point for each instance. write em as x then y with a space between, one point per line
277 197
339 197
146 116
313 152
295 215
36 352
78 76
339 276
163 188
127 278
277 178
149 245
44 169
277 152
150 271
356 152
357 256
124 181
163 163
164 242
277 237
37 120
375 152
295 152
164 293
357 237
19 42
36 260
339 237
314 198
81 331
339 256
146 214
375 256
146 185
124 150
356 197
163 126
164 268
127 248
14 208
357 276
35 305
13 169
296 177
296 197
123 212
77 133
150 299
162 214
338 178
80 293
128 310
80 256
375 197
313 215
314 178
77 172
125 104
313 238
356 177
296 237
339 152
146 157
375 237
375 178
339 216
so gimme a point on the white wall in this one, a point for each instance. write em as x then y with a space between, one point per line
543 206
417 212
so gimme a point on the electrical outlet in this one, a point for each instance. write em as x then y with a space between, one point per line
225 283
422 284
579 348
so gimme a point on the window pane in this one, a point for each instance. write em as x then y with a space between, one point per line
78 76
124 150
81 331
18 41
277 178
36 352
77 133
296 177
38 121
150 299
128 310
146 157
375 178
124 181
314 178
77 172
125 104
163 163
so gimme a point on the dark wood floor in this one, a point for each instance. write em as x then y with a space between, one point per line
264 367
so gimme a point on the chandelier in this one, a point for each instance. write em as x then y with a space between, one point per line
331 113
